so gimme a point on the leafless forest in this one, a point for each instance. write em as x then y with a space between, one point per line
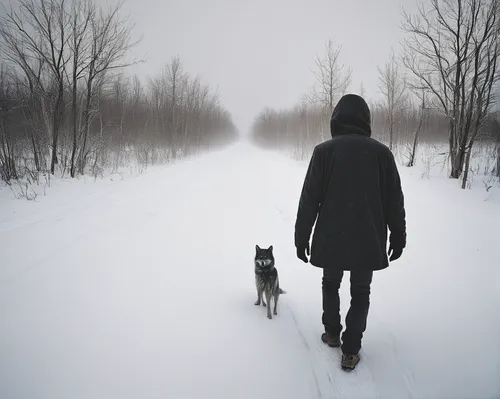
68 106
440 91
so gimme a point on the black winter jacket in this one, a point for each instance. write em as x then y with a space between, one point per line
352 190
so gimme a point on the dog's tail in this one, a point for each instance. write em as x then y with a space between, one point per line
282 291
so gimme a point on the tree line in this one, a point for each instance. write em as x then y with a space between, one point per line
66 104
442 87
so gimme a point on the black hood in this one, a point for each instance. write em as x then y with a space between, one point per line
351 115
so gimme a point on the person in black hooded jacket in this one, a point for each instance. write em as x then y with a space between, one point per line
352 191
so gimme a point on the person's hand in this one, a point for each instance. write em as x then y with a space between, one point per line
397 243
301 253
395 252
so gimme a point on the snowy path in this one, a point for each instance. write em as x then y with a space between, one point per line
143 288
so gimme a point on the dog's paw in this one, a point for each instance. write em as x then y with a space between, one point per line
263 303
275 312
269 317
257 303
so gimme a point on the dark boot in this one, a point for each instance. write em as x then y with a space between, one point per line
332 340
349 362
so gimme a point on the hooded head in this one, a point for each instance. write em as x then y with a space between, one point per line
351 115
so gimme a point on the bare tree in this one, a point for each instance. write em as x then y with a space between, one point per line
186 113
111 40
393 88
169 93
452 51
175 85
332 78
110 117
37 30
26 75
423 114
82 14
362 90
7 105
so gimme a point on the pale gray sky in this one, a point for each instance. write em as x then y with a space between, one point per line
260 52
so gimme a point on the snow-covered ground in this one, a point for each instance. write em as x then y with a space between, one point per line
144 288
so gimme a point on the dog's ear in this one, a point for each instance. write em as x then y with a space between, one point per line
257 248
270 248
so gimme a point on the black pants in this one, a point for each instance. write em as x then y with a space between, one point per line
358 312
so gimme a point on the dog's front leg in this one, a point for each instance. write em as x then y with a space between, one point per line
259 297
268 298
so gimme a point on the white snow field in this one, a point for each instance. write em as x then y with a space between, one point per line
144 288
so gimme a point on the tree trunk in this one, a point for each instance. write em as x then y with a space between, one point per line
56 120
497 169
457 162
413 153
457 152
86 126
467 164
456 165
35 151
9 167
75 133
33 136
54 160
391 123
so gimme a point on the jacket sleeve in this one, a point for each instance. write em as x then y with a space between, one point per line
396 215
310 201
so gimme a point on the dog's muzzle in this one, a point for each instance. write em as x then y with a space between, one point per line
263 262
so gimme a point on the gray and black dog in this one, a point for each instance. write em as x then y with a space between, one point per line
266 279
